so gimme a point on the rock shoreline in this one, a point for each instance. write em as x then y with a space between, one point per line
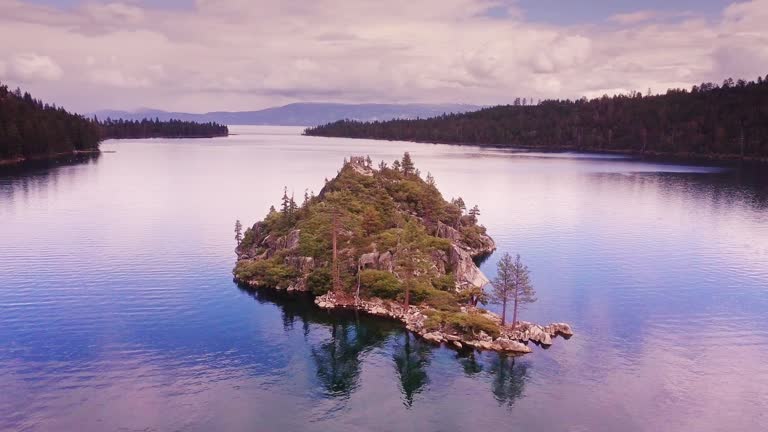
511 340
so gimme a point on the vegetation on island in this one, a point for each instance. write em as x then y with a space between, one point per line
512 285
32 129
709 120
372 232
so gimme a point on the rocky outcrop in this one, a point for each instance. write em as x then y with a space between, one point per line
464 269
484 243
511 340
271 254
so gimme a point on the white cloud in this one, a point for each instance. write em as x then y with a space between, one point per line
634 17
240 54
30 67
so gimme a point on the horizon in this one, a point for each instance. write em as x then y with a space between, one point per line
474 52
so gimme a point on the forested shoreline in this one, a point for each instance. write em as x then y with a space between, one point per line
728 121
33 130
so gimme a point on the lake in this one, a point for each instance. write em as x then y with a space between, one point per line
118 311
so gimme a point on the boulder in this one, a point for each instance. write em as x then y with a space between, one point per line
369 260
561 329
512 346
433 337
464 269
292 239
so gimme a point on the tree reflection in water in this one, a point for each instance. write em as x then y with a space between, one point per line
509 375
338 358
411 359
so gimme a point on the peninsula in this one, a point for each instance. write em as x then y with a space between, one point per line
383 240
31 130
709 121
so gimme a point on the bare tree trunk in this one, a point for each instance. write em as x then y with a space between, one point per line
514 313
407 293
503 312
336 275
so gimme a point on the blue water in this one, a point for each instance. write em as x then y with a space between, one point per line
118 310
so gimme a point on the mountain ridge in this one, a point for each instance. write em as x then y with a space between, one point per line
297 114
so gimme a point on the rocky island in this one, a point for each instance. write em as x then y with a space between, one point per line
384 241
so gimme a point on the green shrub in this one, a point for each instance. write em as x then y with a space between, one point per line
468 324
442 300
378 283
269 273
445 283
319 281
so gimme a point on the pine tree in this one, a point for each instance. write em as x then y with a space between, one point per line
474 213
238 232
430 180
407 164
292 207
512 284
286 202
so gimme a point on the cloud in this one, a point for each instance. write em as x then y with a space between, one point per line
30 67
633 17
247 54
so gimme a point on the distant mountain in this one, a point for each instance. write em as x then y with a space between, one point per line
299 114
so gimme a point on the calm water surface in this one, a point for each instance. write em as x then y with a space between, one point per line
118 312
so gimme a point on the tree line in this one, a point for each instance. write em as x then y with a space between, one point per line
30 128
146 128
709 120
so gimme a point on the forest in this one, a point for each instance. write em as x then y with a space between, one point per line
728 121
32 129
118 129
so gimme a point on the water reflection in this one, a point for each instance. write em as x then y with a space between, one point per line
411 358
345 337
509 376
116 298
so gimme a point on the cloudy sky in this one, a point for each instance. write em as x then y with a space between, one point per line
204 55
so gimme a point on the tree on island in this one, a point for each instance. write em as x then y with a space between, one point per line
512 284
238 232
474 213
407 164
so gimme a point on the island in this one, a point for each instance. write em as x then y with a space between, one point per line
384 241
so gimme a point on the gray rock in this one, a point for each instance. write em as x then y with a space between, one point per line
464 269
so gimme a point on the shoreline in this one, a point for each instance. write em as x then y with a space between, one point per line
46 158
655 156
511 340
514 341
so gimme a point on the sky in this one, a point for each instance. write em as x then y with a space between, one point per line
207 55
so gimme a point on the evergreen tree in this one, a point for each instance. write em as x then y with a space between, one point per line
474 213
512 284
238 232
285 202
430 180
407 164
